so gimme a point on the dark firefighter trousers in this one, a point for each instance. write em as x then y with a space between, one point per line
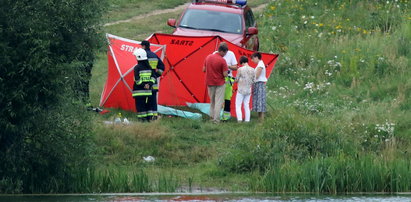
144 106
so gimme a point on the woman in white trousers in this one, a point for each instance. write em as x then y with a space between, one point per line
245 79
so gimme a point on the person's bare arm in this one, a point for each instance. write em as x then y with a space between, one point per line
258 72
204 68
225 73
233 67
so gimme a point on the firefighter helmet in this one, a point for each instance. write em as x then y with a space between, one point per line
140 54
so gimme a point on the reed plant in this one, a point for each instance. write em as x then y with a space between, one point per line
340 174
117 179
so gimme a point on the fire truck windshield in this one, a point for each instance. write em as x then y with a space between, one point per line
212 21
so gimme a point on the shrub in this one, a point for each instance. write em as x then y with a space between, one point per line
46 53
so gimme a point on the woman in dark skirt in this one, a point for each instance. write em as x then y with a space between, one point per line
259 93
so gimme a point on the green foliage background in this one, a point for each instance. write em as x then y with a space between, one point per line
339 98
338 104
46 55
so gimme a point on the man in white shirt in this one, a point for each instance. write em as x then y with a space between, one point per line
232 66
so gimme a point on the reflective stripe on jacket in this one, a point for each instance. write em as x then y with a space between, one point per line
229 80
153 62
145 76
142 93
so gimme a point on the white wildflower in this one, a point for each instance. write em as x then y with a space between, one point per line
328 73
309 86
386 127
320 35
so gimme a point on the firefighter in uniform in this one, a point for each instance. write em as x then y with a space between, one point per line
158 66
229 81
144 79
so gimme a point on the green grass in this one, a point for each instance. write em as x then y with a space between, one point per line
141 29
125 9
123 180
339 174
338 116
349 80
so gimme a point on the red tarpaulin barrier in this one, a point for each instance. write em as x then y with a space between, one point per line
182 81
119 85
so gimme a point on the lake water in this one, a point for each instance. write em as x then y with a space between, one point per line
242 197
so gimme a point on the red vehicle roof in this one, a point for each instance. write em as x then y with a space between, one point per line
217 7
239 38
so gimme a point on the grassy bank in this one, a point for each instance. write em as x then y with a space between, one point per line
341 94
338 110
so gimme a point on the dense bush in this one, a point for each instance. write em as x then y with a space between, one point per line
46 55
288 136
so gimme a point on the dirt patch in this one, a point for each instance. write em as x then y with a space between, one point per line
153 13
159 12
260 7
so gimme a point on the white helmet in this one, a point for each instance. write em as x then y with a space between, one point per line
140 54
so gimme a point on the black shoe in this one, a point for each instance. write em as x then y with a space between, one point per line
97 109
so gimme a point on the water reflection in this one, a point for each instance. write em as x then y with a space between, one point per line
242 197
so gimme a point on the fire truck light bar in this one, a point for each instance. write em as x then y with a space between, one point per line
238 2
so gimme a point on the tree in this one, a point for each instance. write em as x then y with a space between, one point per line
46 54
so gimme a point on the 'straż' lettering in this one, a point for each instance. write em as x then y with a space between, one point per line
127 48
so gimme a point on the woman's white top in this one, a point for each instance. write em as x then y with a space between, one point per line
262 76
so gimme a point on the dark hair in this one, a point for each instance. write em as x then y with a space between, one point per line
256 54
146 44
224 44
243 59
223 47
